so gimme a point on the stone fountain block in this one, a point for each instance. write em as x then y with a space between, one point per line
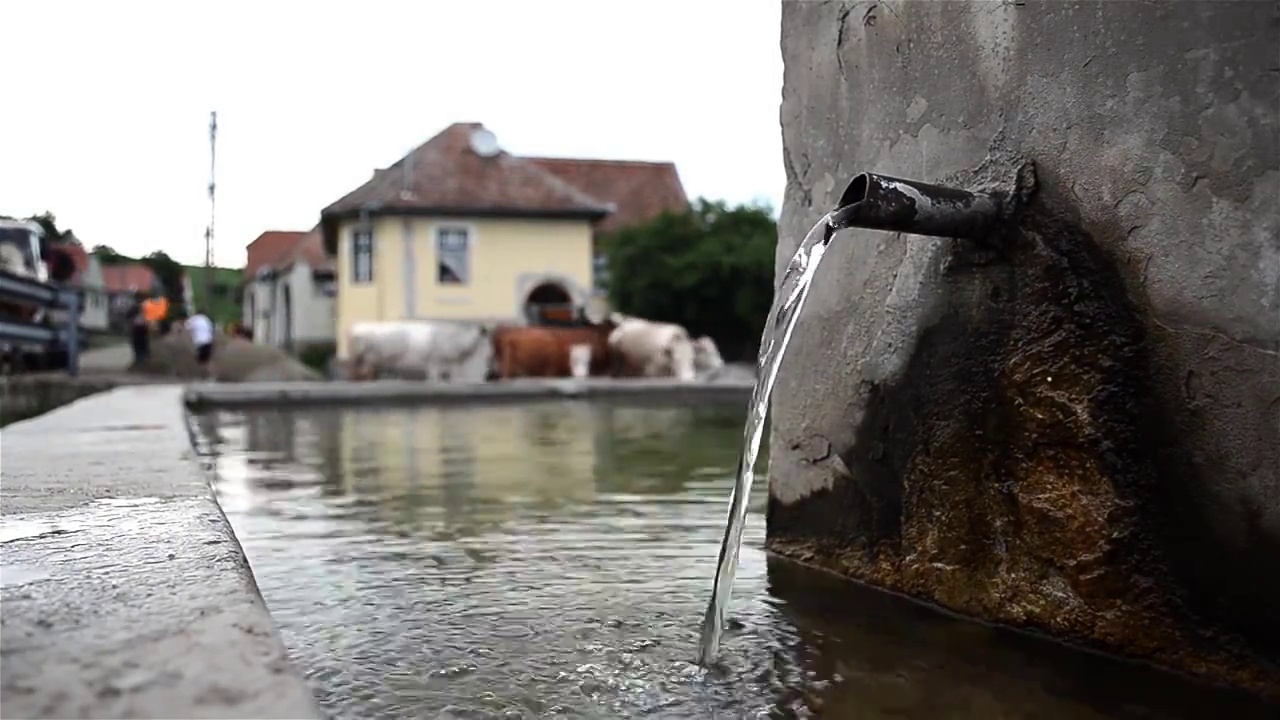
1074 429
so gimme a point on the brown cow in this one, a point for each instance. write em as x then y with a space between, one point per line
539 351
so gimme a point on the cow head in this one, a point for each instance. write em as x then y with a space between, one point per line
706 357
679 355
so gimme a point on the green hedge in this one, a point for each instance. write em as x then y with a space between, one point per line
317 355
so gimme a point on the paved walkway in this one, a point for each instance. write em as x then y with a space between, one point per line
125 592
111 359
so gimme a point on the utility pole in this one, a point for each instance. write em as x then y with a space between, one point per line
208 232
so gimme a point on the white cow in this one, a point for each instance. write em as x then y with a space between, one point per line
651 349
441 350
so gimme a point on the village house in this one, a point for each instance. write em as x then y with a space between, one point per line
289 290
637 191
89 280
121 283
460 230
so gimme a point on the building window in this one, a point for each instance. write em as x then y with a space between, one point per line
600 271
453 255
362 256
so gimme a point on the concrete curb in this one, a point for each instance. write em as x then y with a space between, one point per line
387 392
125 591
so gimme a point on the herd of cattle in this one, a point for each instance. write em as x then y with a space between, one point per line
621 346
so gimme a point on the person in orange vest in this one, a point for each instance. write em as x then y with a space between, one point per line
154 311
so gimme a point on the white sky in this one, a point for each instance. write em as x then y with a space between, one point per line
105 110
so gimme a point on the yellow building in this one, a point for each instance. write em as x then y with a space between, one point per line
492 454
459 230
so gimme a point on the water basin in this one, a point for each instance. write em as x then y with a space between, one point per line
554 560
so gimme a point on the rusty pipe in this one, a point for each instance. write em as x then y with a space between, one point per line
880 202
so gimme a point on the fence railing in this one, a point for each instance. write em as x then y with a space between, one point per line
64 336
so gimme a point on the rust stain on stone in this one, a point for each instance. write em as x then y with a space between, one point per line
1015 472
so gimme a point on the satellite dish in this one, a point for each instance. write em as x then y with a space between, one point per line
484 143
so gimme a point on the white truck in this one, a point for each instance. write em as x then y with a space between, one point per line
24 253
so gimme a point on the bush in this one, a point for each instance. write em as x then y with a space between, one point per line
317 356
710 270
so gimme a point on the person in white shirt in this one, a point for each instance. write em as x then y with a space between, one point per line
200 328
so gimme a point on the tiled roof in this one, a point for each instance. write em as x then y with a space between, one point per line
269 249
309 249
640 191
445 176
129 277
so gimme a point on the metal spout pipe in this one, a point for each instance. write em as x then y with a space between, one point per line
880 202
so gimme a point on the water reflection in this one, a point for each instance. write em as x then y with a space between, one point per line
882 656
554 559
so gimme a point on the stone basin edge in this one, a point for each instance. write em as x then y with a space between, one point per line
127 593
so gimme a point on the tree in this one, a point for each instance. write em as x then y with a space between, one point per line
710 269
107 255
169 272
49 226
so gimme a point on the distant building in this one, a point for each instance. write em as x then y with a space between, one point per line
460 230
121 283
289 290
637 191
88 278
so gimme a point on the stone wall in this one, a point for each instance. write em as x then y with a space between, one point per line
1074 429
23 397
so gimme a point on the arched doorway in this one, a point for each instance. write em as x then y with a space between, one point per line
549 303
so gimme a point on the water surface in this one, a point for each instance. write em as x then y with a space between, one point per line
553 560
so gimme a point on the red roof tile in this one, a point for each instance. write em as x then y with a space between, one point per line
445 176
640 191
269 249
129 277
310 249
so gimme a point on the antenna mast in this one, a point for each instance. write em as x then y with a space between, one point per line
208 232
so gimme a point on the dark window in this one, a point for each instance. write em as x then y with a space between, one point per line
600 271
362 256
453 256
19 239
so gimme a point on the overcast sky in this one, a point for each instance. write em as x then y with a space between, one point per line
105 119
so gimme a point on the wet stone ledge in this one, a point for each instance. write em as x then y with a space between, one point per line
26 396
125 591
388 392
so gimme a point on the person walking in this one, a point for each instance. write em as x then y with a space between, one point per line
200 327
139 329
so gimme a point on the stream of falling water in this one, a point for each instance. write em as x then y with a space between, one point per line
788 300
